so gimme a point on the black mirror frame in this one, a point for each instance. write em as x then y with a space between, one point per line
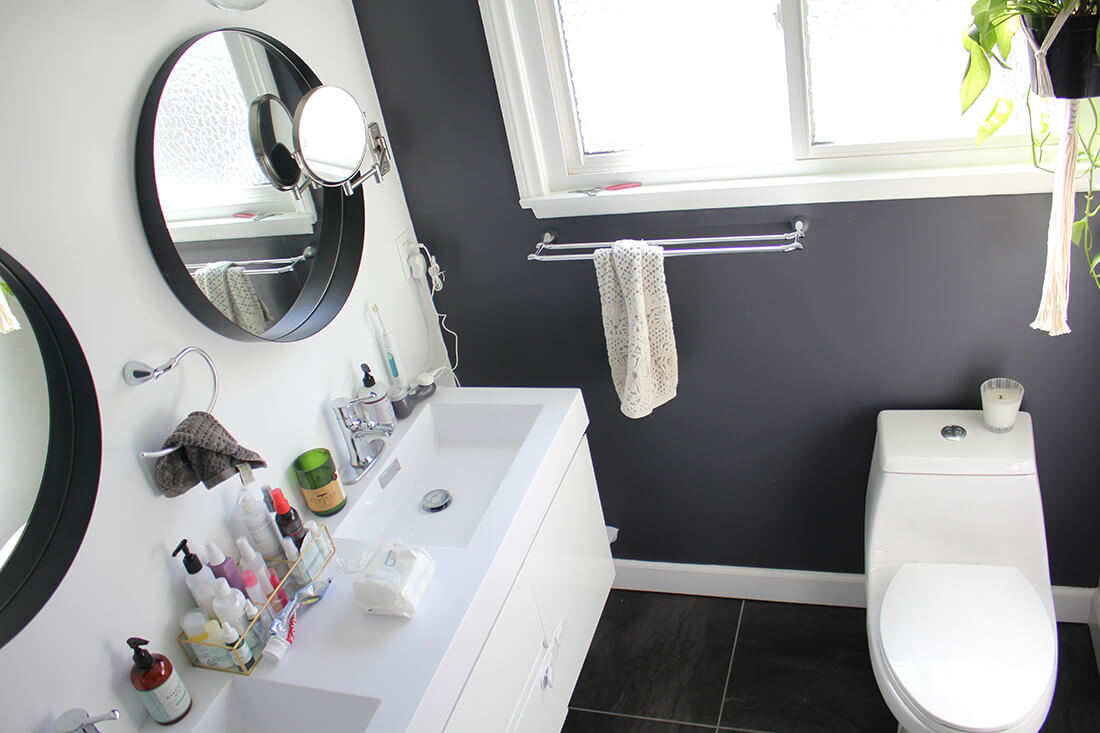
340 251
63 508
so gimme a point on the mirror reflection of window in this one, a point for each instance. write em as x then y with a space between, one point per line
24 429
209 183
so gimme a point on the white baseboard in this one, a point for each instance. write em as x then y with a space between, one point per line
1072 605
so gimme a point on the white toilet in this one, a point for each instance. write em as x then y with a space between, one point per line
960 618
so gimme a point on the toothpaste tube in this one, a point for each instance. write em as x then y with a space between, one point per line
282 628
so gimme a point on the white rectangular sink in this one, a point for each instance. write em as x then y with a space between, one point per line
465 449
263 706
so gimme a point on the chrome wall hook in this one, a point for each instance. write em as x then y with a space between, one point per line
137 372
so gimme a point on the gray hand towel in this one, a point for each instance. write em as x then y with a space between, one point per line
206 452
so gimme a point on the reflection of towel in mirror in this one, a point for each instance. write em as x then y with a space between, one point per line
206 452
228 287
8 321
637 323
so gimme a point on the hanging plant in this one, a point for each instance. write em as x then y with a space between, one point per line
1063 40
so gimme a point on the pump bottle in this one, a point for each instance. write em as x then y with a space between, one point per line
199 578
161 690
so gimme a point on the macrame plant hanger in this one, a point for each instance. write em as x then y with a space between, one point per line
1052 316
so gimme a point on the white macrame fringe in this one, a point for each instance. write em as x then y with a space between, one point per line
1054 304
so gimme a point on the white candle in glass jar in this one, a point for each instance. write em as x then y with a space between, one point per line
1001 400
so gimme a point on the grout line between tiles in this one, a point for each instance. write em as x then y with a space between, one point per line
641 717
729 670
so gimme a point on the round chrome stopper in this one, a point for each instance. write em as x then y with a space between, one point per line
436 500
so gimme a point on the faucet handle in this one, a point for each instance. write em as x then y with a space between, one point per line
346 413
77 720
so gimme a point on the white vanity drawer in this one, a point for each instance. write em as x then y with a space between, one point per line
529 665
504 668
571 571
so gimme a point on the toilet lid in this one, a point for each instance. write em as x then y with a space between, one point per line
971 645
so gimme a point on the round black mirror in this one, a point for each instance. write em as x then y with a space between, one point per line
50 439
250 251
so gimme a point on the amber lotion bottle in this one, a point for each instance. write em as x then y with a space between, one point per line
161 690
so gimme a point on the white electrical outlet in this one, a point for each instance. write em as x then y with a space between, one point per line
405 246
413 260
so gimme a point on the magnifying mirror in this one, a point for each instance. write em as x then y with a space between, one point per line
272 133
331 135
327 145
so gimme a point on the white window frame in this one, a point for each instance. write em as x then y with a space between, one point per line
525 49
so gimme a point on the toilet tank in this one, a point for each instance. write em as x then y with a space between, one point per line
936 496
914 441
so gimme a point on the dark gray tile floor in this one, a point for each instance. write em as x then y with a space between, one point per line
683 664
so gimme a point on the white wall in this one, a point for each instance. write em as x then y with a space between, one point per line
76 73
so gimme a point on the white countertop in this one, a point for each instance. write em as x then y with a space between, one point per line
415 668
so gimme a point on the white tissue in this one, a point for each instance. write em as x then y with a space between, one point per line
394 580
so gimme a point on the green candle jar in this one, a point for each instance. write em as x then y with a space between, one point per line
317 478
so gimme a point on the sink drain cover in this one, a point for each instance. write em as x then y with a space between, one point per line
436 500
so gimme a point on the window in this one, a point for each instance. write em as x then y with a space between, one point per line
712 103
204 190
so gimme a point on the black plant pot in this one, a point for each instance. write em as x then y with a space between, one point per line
1072 60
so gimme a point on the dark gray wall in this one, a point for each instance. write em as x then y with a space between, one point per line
785 360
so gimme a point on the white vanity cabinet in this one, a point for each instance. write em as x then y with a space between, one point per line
529 664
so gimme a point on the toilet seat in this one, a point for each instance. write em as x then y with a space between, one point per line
970 646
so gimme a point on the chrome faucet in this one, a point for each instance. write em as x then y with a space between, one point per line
357 428
77 720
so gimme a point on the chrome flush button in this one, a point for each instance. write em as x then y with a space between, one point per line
953 432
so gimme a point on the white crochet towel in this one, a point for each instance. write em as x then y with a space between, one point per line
637 323
227 286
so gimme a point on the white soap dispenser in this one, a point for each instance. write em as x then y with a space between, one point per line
199 578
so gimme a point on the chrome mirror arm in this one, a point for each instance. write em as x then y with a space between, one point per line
380 153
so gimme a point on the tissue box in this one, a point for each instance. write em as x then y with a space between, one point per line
394 580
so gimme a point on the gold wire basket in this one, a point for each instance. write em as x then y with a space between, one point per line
313 558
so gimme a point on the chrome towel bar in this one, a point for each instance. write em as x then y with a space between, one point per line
792 242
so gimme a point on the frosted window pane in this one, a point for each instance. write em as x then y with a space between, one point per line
886 71
704 80
202 152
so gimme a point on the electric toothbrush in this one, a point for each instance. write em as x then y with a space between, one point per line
390 353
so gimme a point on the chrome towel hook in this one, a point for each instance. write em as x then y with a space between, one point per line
137 372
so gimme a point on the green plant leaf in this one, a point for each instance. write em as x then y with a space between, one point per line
977 73
1003 33
1078 232
1094 263
998 116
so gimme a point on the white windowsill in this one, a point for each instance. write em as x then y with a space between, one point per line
809 189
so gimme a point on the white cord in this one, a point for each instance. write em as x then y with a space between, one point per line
434 278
